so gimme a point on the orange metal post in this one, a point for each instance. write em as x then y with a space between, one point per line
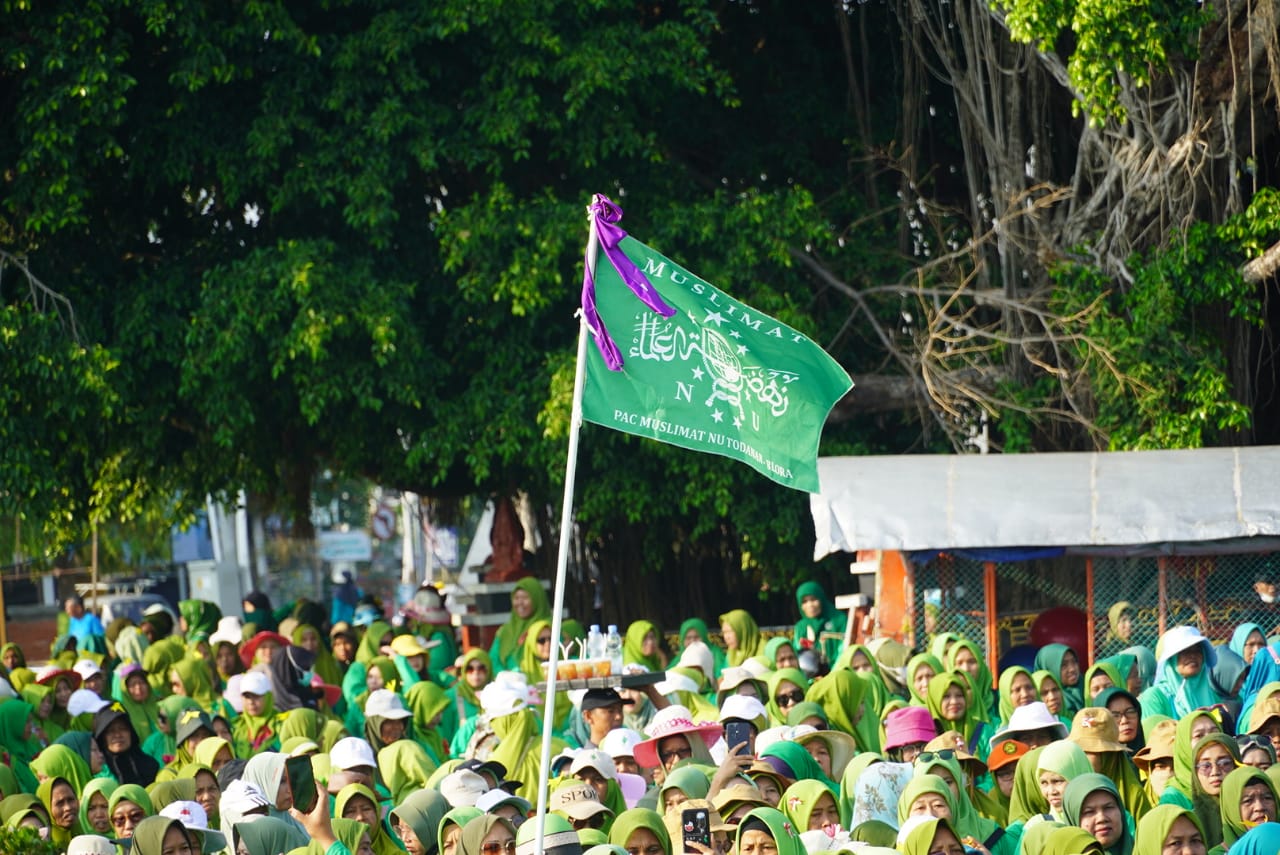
993 634
1090 620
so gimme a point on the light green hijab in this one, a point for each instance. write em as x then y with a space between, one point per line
1233 824
848 700
799 800
750 641
629 821
1154 828
784 833
506 644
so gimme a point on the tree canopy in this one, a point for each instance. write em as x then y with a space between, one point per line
246 242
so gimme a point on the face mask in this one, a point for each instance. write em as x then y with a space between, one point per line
307 677
1268 598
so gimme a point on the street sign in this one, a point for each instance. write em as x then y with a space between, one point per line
383 523
345 546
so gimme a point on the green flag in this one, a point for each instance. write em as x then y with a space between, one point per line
716 376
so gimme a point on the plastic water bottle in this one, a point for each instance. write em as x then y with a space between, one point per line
595 643
613 649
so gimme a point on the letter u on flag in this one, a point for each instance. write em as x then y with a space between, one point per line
693 367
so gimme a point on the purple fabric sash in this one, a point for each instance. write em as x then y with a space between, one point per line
604 220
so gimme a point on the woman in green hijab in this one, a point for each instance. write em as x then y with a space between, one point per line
966 818
404 767
1248 799
308 637
195 680
950 703
533 655
1187 789
528 604
434 718
485 827
1063 663
787 688
18 747
821 626
688 781
95 815
642 646
59 761
799 763
128 806
931 836
642 828
742 638
198 616
765 823
133 691
927 795
1017 689
1050 689
358 802
1119 629
40 697
451 825
417 820
695 629
1056 766
811 806
1092 802
160 835
965 657
60 799
922 668
860 659
1171 826
264 835
848 700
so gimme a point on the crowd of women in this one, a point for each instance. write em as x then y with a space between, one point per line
270 732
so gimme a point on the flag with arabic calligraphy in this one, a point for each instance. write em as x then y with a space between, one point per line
713 375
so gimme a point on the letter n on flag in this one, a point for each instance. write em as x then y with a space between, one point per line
713 375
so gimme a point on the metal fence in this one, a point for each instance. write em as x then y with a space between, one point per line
1215 593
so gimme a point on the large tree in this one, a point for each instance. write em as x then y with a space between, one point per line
298 235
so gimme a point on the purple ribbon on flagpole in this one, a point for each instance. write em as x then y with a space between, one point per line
604 220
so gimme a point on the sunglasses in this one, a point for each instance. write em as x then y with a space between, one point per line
1244 743
676 754
930 756
495 848
544 639
787 699
1223 765
479 666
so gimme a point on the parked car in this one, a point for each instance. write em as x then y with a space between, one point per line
131 606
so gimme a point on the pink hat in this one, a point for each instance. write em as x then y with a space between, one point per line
907 725
646 753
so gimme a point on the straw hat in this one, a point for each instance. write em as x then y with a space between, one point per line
953 740
1159 745
1095 730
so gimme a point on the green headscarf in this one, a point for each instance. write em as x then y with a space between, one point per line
60 761
1083 786
16 749
8 782
1064 758
369 647
165 793
35 694
1207 808
771 648
1039 677
633 645
922 784
847 698
158 659
105 787
148 836
458 816
470 697
825 633
325 665
689 780
264 834
404 767
378 836
475 831
1049 658
506 644
1007 676
130 793
626 823
699 626
916 661
964 816
970 725
1071 840
785 836
799 761
788 675
805 710
750 642
254 733
919 839
428 702
799 800
423 811
1154 828
197 681
980 683
518 749
201 616
880 694
58 834
1233 824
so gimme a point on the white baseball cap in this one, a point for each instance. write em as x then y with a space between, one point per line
90 844
594 759
351 752
497 797
86 668
463 788
620 742
385 703
255 683
193 818
230 629
578 800
85 701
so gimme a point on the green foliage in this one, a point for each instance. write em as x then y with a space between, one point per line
1110 41
27 841
1159 378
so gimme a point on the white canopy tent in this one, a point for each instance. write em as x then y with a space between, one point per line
1096 500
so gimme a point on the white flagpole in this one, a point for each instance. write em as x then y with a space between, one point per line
562 561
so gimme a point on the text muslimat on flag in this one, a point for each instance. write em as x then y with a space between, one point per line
716 376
